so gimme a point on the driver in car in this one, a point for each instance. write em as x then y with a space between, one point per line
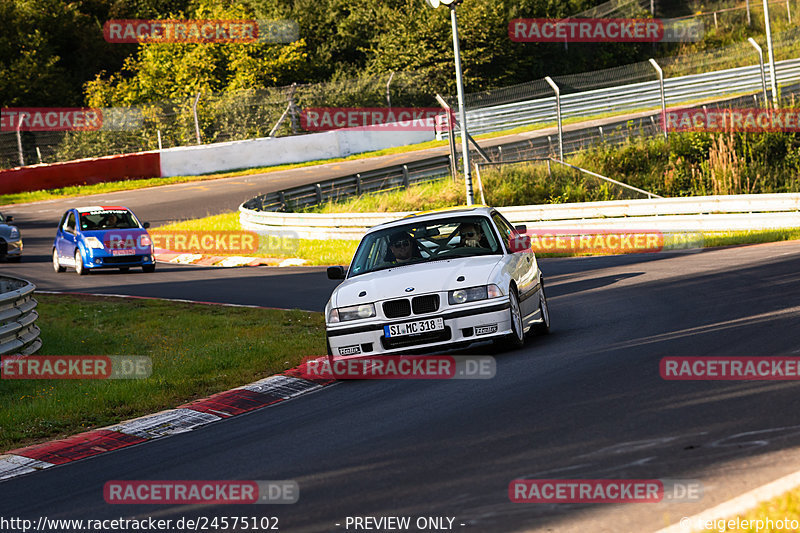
472 236
402 248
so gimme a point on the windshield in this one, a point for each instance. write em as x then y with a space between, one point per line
108 219
421 242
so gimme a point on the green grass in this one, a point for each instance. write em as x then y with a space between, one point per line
785 507
196 350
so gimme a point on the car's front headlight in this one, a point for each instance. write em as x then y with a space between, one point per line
93 242
14 233
354 312
471 294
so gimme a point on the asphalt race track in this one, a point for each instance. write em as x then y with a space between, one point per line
585 402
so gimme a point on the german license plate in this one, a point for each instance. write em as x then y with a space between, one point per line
413 328
123 252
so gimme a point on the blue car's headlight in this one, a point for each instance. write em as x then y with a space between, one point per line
472 294
93 242
14 233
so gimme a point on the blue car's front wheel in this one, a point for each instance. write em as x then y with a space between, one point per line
79 268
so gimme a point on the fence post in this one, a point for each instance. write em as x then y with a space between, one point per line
358 184
716 26
293 109
552 84
747 4
602 139
761 66
660 73
788 12
499 153
388 95
196 122
318 189
405 176
19 144
39 155
159 140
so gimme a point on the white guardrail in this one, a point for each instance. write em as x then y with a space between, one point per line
18 331
628 98
741 212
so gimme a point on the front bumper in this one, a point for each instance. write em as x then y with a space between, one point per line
10 248
462 325
102 259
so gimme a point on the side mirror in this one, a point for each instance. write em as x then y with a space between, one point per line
336 272
522 228
9 218
146 225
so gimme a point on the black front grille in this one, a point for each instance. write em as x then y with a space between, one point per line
414 340
122 259
425 304
396 308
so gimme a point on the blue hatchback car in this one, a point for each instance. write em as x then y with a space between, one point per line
102 237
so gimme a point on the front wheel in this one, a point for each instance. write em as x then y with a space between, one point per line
56 265
79 268
542 327
516 338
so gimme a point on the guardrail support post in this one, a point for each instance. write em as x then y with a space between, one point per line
318 188
602 139
499 153
663 97
552 84
788 12
747 5
405 176
716 26
761 66
196 122
358 184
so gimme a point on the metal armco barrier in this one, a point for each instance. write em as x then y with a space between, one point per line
18 331
700 213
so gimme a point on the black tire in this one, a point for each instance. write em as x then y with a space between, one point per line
517 337
149 268
14 259
56 265
542 327
124 269
79 268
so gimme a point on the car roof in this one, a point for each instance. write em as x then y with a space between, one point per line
101 208
424 216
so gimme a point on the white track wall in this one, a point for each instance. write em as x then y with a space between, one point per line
220 157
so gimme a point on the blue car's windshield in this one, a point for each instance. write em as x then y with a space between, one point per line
443 238
108 219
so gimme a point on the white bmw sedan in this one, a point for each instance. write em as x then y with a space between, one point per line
436 281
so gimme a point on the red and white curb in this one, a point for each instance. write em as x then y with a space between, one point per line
167 256
187 417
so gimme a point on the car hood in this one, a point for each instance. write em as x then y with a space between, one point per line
424 278
5 231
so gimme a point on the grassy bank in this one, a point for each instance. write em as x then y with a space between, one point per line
196 350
